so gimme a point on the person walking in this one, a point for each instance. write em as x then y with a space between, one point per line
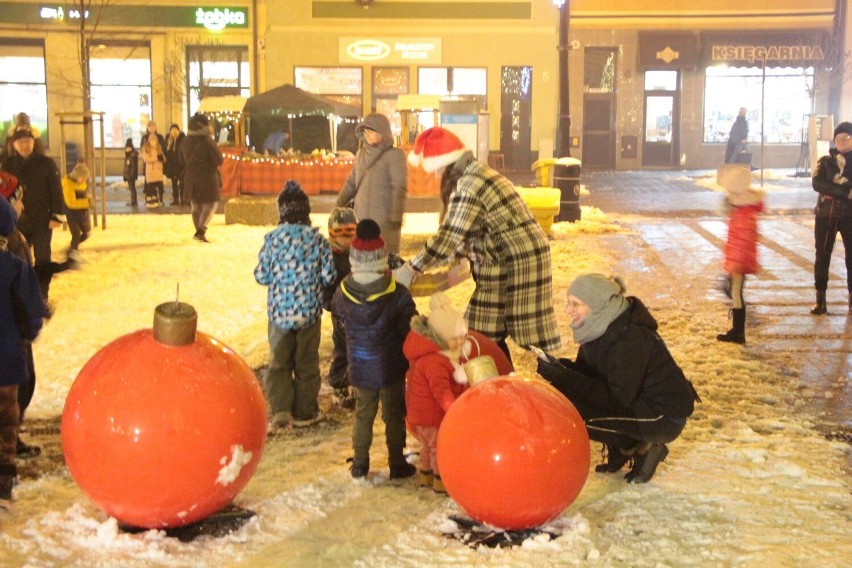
509 252
75 190
44 206
832 180
377 186
376 312
630 392
738 139
131 170
201 157
296 264
174 170
744 204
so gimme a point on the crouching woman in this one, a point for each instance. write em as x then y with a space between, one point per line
631 393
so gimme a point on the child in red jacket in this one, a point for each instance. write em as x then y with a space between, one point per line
435 378
745 203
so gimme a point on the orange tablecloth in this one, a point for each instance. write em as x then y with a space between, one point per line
268 176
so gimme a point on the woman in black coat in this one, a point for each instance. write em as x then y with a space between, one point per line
200 157
625 384
174 169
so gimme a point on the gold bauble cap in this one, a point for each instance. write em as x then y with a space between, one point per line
175 323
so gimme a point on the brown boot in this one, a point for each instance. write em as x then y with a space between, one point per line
820 308
438 485
426 478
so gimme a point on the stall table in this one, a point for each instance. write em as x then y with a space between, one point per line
242 175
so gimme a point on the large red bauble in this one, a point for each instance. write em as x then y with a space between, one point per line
160 435
513 452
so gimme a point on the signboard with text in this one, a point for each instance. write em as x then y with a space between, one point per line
390 50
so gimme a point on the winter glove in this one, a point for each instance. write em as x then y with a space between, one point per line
405 274
395 261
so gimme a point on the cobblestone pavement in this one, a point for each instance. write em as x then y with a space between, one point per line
679 223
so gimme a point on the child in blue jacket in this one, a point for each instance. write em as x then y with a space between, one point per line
296 263
21 313
376 312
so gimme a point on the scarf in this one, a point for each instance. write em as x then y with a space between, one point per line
595 324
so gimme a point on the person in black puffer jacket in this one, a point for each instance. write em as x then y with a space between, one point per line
833 181
632 395
376 312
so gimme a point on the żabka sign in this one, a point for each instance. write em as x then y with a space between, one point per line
757 53
216 20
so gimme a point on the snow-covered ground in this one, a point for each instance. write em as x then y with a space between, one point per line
749 483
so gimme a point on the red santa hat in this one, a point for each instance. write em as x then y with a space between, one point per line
436 148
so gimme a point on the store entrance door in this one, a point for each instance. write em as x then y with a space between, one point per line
600 76
516 117
661 142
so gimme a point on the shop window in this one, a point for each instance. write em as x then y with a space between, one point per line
120 76
453 81
342 84
388 84
22 86
215 71
779 100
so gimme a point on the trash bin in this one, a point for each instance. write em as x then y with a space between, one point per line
566 177
543 202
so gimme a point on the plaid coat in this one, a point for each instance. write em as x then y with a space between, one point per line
509 253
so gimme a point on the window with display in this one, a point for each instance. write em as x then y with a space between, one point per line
120 77
778 100
388 84
458 81
215 71
342 84
22 86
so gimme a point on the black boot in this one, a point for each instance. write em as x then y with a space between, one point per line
820 307
645 465
616 458
850 303
737 333
7 480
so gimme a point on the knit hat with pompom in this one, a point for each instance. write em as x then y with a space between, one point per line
293 204
368 255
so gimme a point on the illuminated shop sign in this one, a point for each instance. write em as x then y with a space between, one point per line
758 53
216 20
390 50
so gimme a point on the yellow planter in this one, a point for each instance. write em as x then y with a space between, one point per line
543 202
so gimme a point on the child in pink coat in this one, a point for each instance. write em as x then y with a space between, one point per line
435 378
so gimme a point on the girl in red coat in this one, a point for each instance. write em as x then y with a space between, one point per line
435 378
744 203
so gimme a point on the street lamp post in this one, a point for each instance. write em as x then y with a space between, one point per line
566 171
563 124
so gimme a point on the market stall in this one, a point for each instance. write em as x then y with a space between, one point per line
417 113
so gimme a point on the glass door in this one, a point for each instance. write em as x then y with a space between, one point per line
661 142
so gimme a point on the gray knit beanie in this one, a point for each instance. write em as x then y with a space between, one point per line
596 289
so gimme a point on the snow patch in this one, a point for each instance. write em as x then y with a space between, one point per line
231 471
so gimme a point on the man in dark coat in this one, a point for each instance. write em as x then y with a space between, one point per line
201 157
738 138
44 206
